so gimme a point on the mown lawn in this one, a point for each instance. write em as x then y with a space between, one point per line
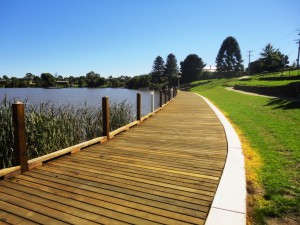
268 79
272 129
287 73
263 83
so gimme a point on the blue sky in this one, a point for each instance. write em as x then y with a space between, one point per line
123 37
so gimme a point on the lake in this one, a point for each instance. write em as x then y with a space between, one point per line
80 96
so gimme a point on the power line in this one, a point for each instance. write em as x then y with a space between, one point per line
249 55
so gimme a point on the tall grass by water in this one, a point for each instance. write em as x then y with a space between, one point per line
50 127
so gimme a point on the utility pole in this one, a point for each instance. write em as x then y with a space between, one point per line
249 55
298 42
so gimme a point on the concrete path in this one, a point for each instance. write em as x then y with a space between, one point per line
229 204
248 93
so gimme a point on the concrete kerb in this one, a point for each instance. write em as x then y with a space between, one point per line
229 204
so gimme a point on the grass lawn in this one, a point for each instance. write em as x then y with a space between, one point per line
263 83
287 73
258 80
269 130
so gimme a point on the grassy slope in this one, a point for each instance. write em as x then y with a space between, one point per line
264 83
254 80
272 127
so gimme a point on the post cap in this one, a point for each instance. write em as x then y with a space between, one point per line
18 102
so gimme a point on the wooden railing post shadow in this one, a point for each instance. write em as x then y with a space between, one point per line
160 98
139 107
105 116
20 135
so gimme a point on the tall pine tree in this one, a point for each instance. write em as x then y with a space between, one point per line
229 59
158 69
171 67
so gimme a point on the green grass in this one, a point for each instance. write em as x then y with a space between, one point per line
263 83
260 80
51 128
281 74
272 126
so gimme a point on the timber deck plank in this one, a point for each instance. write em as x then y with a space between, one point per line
163 171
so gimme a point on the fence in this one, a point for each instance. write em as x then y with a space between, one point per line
23 164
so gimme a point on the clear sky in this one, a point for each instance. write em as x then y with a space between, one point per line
123 37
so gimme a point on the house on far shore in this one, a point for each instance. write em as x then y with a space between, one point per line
64 83
210 69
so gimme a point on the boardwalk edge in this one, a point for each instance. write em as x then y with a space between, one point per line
229 204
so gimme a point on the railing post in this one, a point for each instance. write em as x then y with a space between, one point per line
165 95
138 107
20 135
160 98
169 94
152 101
105 116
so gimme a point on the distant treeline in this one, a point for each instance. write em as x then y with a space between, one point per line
162 75
91 79
165 74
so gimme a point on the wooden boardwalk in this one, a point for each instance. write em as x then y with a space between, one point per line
163 171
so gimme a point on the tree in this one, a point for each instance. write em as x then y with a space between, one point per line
137 82
37 81
273 59
29 76
93 79
82 81
47 79
191 68
171 67
158 69
256 66
229 58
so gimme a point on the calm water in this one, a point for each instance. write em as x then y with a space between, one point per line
79 96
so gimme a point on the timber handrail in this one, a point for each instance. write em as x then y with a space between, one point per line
36 162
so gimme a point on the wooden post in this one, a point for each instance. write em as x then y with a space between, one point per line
152 101
169 94
139 107
20 135
165 95
160 98
105 117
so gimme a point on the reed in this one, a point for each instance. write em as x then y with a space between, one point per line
50 127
